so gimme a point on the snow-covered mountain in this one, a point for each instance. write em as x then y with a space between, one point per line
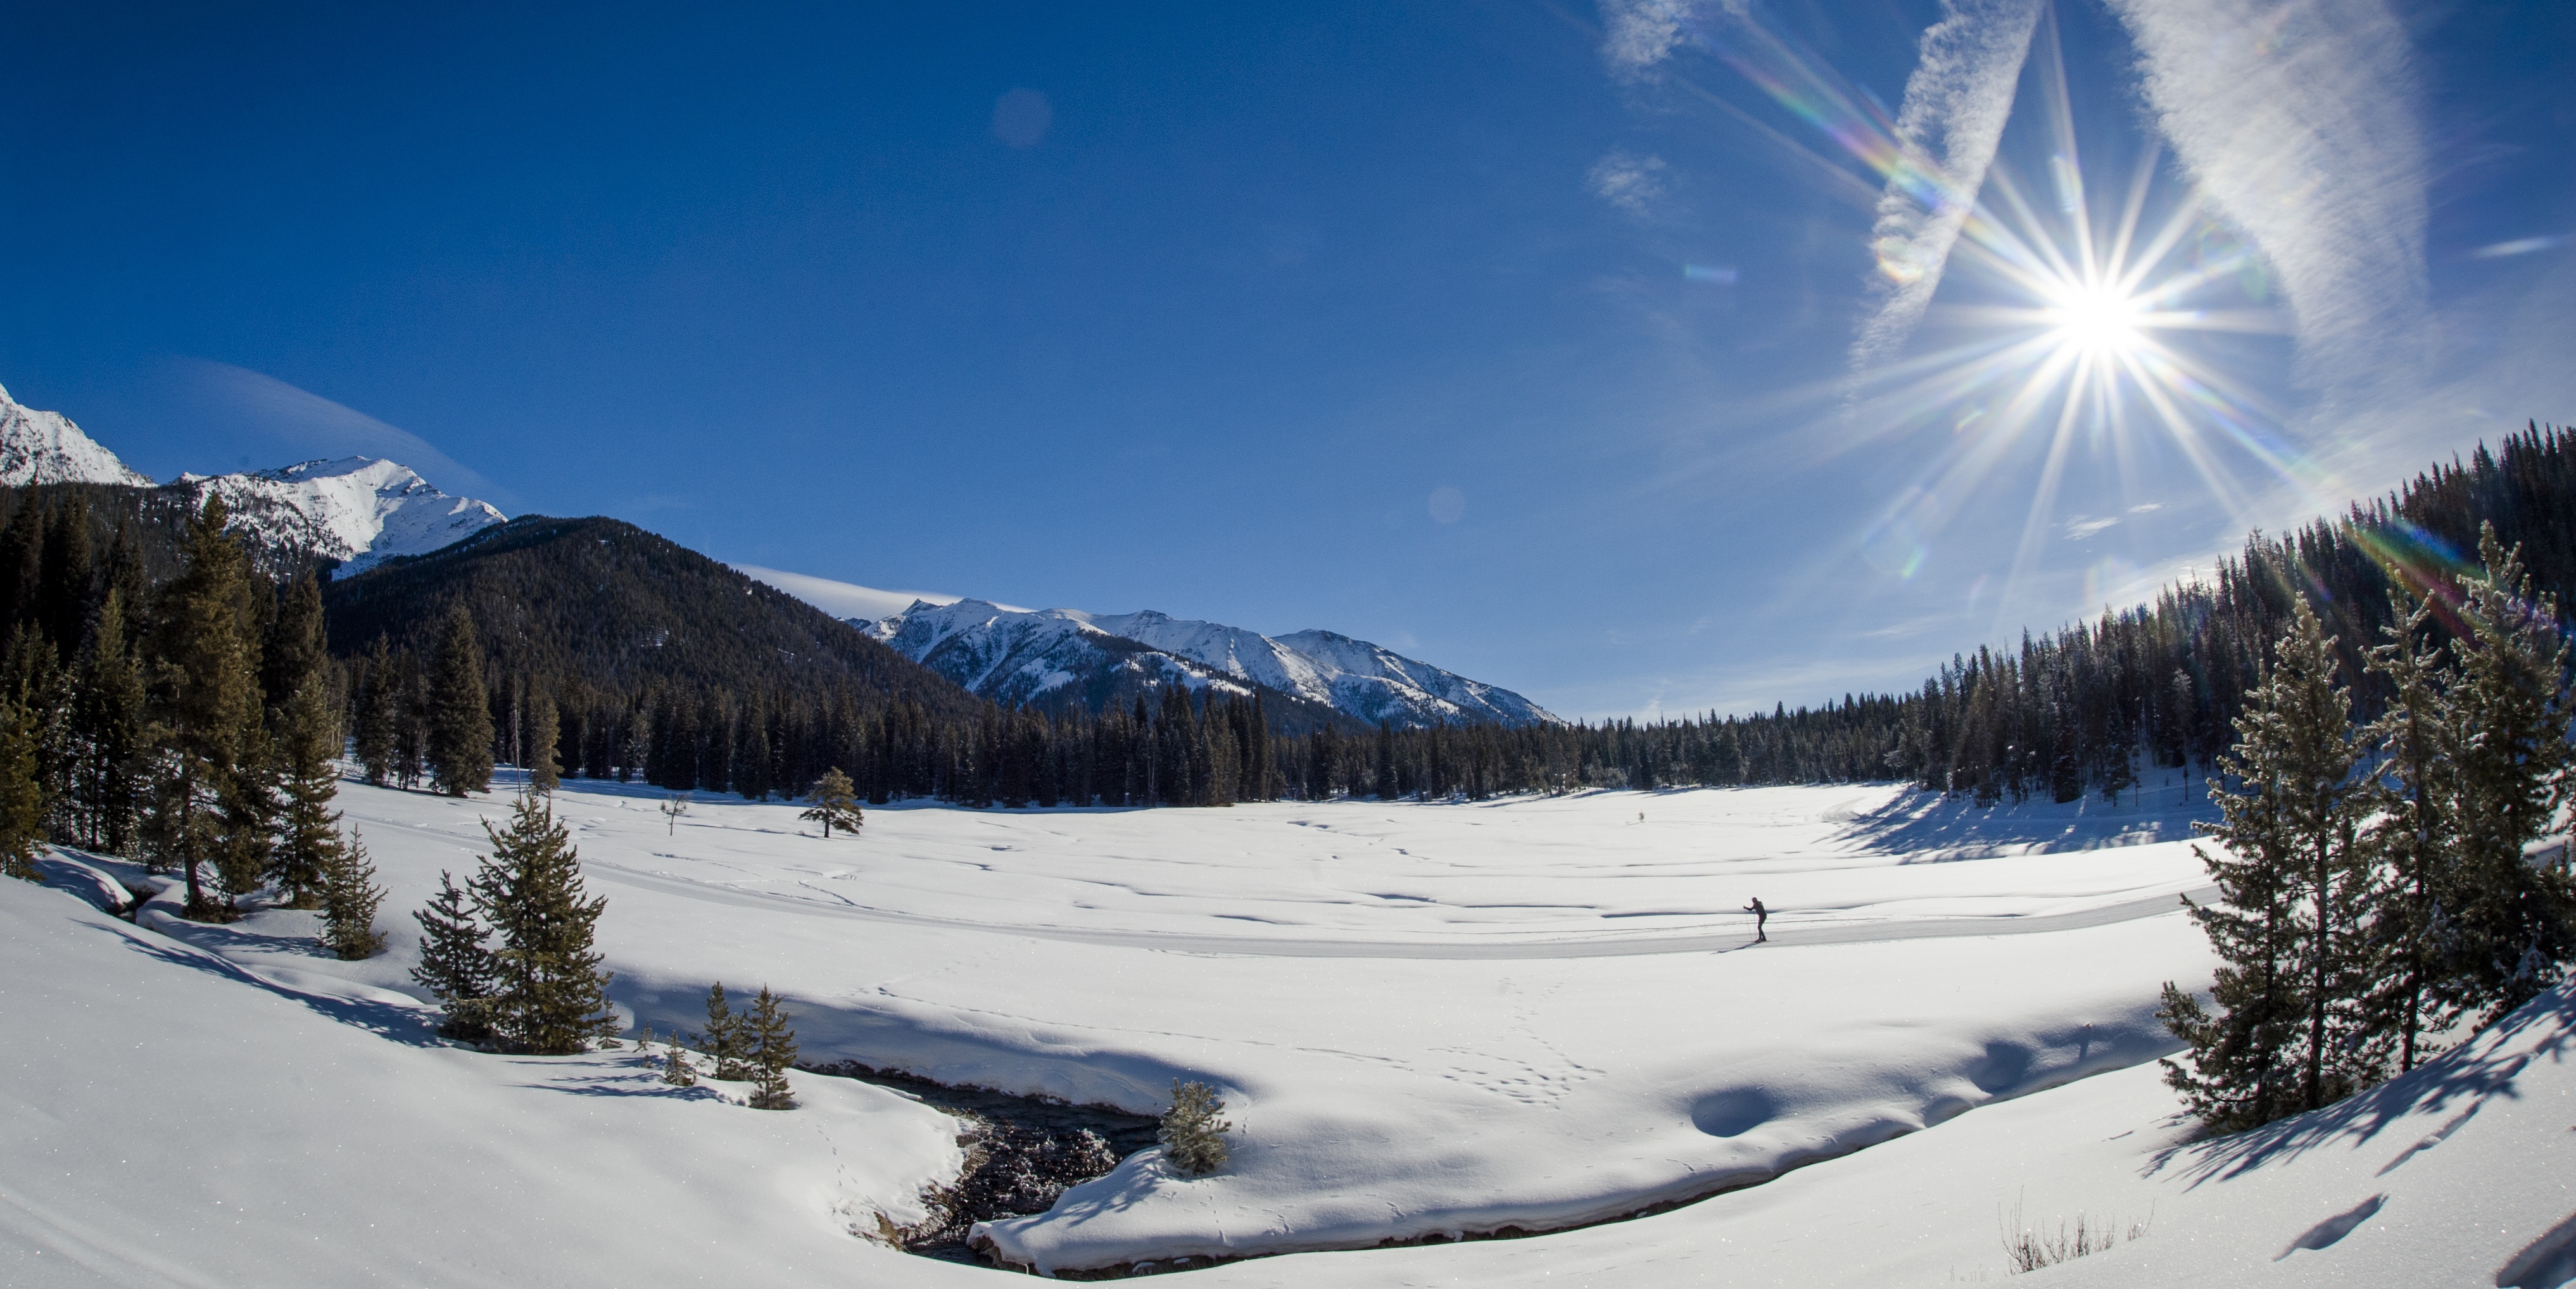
359 510
1017 655
45 447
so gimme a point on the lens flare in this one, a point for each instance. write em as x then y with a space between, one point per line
2067 320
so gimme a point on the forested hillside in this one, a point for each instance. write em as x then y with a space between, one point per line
654 662
2055 715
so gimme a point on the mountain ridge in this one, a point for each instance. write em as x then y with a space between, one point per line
1025 656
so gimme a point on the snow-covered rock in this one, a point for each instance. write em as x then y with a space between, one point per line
1014 654
45 447
359 510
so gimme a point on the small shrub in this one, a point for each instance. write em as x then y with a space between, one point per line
1193 1136
2029 1249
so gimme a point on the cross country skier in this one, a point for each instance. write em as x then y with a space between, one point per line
1760 916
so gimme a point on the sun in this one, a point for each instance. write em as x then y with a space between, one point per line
2096 319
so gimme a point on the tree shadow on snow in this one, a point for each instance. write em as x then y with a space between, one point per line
399 1023
1928 827
2465 1077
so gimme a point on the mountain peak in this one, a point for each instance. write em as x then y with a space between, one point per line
359 510
45 447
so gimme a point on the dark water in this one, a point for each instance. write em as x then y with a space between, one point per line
1021 1153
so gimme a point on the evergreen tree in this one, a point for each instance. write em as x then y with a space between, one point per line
110 720
22 800
209 711
2414 837
1193 1136
678 1069
544 774
836 802
769 1048
64 597
295 651
380 709
723 1038
350 898
460 714
455 965
549 996
2292 881
308 839
2516 921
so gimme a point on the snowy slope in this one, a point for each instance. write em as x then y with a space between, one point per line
1051 648
359 510
175 1119
45 447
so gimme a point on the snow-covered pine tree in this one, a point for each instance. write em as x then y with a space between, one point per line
2291 882
22 799
2414 835
455 966
2516 920
723 1038
770 1048
836 803
1193 1136
308 835
350 898
460 713
550 997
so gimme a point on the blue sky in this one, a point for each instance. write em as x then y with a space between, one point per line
1653 357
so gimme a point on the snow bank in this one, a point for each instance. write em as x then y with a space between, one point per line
173 1118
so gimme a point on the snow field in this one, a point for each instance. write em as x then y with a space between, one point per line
1425 1019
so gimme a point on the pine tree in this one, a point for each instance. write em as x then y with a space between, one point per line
770 1049
544 774
2414 837
380 704
22 799
455 966
308 839
350 898
460 715
2292 883
678 1068
2516 921
723 1037
209 711
110 719
836 802
1193 1136
550 997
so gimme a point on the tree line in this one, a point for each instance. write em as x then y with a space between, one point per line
2055 717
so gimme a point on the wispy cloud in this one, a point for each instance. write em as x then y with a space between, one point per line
1638 34
843 599
1951 120
309 423
2296 119
1628 181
